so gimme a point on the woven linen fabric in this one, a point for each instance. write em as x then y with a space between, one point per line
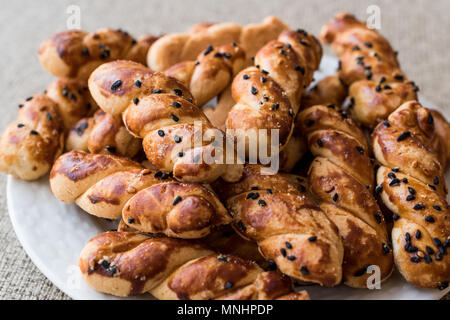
417 29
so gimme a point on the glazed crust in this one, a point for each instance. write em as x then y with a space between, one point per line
31 143
415 193
126 263
290 230
342 178
112 187
177 47
268 95
75 54
161 111
211 72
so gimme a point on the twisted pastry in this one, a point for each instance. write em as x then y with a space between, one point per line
103 133
126 263
268 95
411 184
290 230
75 54
177 47
370 66
159 109
211 73
149 201
330 91
341 176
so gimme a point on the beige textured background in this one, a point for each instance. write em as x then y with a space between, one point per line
417 29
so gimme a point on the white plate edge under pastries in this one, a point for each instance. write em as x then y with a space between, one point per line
53 233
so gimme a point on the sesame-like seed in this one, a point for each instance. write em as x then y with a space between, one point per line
181 154
386 124
309 122
431 187
283 252
135 100
312 238
430 119
275 106
427 259
138 83
263 79
419 206
360 149
253 90
291 112
174 117
208 50
222 259
405 180
177 139
437 242
252 195
130 220
28 99
291 258
335 197
241 226
161 133
385 248
429 250
269 191
378 217
301 69
429 219
395 217
116 85
176 104
394 182
245 77
20 125
438 208
228 285
395 169
157 91
379 188
304 270
415 259
111 149
177 200
288 245
436 180
262 203
360 272
158 174
33 132
392 175
178 92
319 142
403 136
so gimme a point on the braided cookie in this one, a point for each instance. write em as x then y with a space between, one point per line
330 91
126 263
412 185
268 95
177 47
370 66
341 176
211 73
290 230
75 54
103 133
149 201
160 110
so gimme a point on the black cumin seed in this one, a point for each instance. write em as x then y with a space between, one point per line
309 123
419 206
432 187
291 258
335 197
438 208
386 124
262 203
245 77
415 259
304 270
411 190
28 99
405 180
436 180
20 125
241 226
360 272
252 195
228 285
161 133
253 90
138 83
399 77
430 119
394 182
111 149
135 100
269 191
403 136
174 117
33 132
283 252
319 142
177 139
263 79
407 237
360 149
301 69
130 220
427 259
178 92
379 188
288 245
312 238
429 250
116 85
418 234
222 259
181 154
378 217
208 50
429 219
176 200
395 217
158 174
176 104
437 242
395 169
275 106
157 91
385 248
392 175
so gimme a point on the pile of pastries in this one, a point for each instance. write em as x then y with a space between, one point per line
360 185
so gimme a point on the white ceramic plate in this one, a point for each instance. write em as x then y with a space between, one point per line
53 234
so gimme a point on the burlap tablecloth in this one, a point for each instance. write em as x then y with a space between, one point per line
417 29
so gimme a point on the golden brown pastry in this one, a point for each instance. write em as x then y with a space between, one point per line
369 65
342 178
30 144
177 47
75 54
103 133
126 263
268 95
211 73
148 201
412 185
291 231
160 110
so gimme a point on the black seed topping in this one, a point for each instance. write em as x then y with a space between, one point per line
181 154
438 208
386 249
368 44
269 191
378 217
288 245
252 195
437 242
432 187
335 197
360 149
228 285
262 203
246 77
394 182
116 85
138 83
241 226
395 217
419 206
135 100
291 112
157 91
20 125
263 79
304 270
386 124
427 259
176 200
20 106
178 92
399 77
405 180
438 256
395 169
283 252
208 50
217 55
429 250
301 69
436 180
411 190
379 188
429 219
320 142
28 99
404 136
174 117
161 133
222 259
392 175
312 238
111 149
176 104
418 234
291 258
415 259
33 132
177 139
253 90
430 119
275 106
130 220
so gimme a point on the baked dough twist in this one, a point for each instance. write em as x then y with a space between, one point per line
160 110
111 187
291 231
75 54
342 178
268 95
126 263
103 133
211 73
177 47
412 185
